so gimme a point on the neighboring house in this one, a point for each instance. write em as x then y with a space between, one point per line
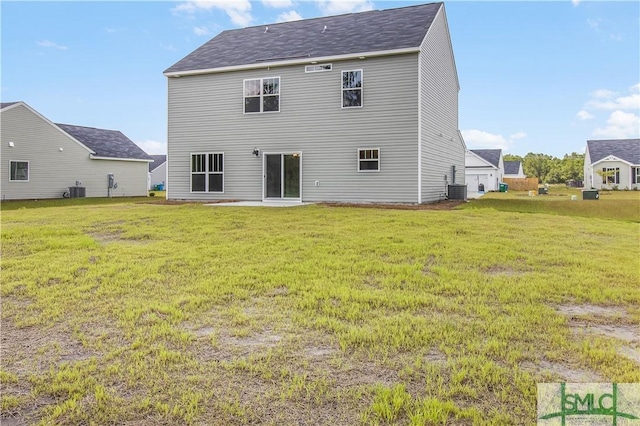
360 107
484 168
513 170
617 160
41 159
158 171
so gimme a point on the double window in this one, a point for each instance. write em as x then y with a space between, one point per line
635 174
207 172
611 175
262 95
369 160
19 171
352 89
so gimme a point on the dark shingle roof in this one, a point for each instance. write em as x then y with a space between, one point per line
106 143
3 105
511 167
353 33
158 160
491 155
625 149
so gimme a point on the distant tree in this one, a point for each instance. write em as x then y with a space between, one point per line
511 157
537 165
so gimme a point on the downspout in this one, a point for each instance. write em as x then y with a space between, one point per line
420 127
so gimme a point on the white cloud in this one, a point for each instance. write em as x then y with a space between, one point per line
622 102
170 47
584 115
478 139
292 15
277 4
518 135
603 94
575 2
153 147
593 23
47 43
620 125
239 11
337 7
635 88
201 30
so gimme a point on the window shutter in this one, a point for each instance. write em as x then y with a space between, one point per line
633 175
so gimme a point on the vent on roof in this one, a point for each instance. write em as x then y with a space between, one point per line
324 29
266 29
283 57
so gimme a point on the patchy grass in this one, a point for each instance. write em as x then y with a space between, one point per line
167 314
616 205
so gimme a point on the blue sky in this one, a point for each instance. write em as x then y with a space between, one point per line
535 76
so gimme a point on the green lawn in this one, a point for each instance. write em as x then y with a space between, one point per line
145 314
617 205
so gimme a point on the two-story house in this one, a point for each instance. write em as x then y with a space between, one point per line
360 107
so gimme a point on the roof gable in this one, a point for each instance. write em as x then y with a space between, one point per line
625 149
511 167
350 34
106 143
492 156
4 105
158 160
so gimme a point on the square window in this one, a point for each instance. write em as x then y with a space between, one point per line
262 95
19 171
207 172
369 160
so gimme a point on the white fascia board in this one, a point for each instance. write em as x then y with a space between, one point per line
611 158
95 157
49 122
296 61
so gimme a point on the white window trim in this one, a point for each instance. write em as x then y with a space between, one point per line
368 171
206 173
28 171
637 169
307 71
616 175
261 95
361 88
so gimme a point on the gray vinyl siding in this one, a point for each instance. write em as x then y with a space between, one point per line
441 143
52 171
206 115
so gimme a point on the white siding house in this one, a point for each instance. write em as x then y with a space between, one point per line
484 169
41 159
158 171
612 163
360 107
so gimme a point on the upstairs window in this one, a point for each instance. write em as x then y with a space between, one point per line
207 173
19 171
262 95
369 160
352 89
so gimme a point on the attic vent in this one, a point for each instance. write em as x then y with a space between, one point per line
281 58
266 29
324 29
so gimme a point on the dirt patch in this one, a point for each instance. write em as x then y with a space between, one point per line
564 372
500 270
106 237
319 351
265 339
605 321
440 205
602 311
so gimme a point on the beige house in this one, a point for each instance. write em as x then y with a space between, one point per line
41 159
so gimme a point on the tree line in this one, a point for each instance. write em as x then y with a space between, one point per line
550 169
